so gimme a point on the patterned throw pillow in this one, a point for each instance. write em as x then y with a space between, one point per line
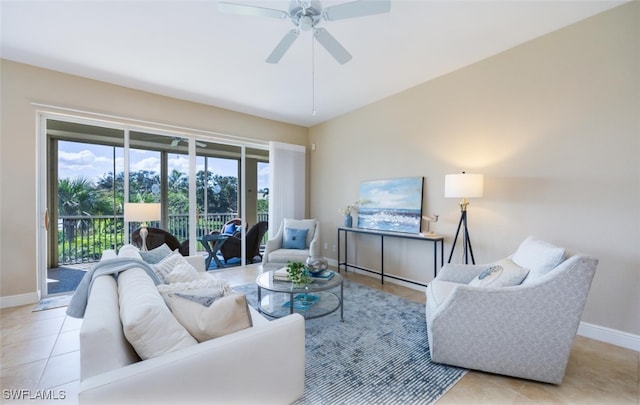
487 277
503 273
207 318
294 238
175 269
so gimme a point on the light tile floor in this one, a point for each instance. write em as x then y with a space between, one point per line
40 354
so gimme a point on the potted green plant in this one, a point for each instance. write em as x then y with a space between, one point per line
298 273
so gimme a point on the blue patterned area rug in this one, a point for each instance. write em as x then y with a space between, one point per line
378 355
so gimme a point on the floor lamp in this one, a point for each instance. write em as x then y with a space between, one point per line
142 212
463 186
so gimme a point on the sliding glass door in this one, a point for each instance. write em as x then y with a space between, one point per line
94 168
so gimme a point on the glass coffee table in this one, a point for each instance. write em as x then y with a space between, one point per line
314 300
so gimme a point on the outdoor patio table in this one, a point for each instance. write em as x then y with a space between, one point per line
219 240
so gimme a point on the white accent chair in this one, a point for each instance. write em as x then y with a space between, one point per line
503 324
276 256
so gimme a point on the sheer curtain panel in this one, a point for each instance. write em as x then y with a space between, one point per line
287 183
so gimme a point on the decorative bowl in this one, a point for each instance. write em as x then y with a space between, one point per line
316 265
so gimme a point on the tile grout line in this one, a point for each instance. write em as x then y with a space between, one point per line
46 364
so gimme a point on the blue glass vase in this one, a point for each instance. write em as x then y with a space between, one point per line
348 220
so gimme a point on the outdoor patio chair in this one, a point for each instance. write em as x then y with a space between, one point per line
232 247
157 237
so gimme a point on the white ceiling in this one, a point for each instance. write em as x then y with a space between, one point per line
188 50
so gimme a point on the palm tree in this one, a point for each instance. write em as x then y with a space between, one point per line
79 197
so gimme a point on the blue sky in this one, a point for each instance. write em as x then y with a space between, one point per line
92 161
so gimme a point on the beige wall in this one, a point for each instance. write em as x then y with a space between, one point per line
553 124
23 85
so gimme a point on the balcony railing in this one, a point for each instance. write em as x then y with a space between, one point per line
82 239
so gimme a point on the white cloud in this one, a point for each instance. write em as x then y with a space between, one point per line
82 163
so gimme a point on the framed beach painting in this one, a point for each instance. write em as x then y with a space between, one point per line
391 205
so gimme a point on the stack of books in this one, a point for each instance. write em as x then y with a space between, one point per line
323 277
302 301
281 275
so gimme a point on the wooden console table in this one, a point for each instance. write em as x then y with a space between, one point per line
435 239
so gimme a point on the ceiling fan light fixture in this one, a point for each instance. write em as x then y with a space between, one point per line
306 23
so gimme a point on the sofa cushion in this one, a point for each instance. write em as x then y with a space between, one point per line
102 343
309 224
147 322
293 238
154 256
285 255
129 251
208 317
538 256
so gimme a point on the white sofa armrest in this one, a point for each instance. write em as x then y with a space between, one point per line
262 364
272 244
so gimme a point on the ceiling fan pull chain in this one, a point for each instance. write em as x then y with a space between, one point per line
313 76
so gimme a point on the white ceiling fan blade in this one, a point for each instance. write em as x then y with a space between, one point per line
332 46
358 8
245 9
283 46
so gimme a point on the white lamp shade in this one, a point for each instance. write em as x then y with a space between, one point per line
141 212
463 185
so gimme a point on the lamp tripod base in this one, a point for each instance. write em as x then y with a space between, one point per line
466 243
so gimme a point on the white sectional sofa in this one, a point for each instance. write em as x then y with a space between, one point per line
261 364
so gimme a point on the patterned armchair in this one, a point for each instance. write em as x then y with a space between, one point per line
486 317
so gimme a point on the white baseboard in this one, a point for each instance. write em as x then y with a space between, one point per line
612 336
20 299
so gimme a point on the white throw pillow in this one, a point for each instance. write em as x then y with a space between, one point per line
309 224
538 256
147 322
209 317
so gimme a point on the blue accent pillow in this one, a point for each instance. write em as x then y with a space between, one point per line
294 238
156 255
229 229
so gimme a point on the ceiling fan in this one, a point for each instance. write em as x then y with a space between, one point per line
176 140
306 15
